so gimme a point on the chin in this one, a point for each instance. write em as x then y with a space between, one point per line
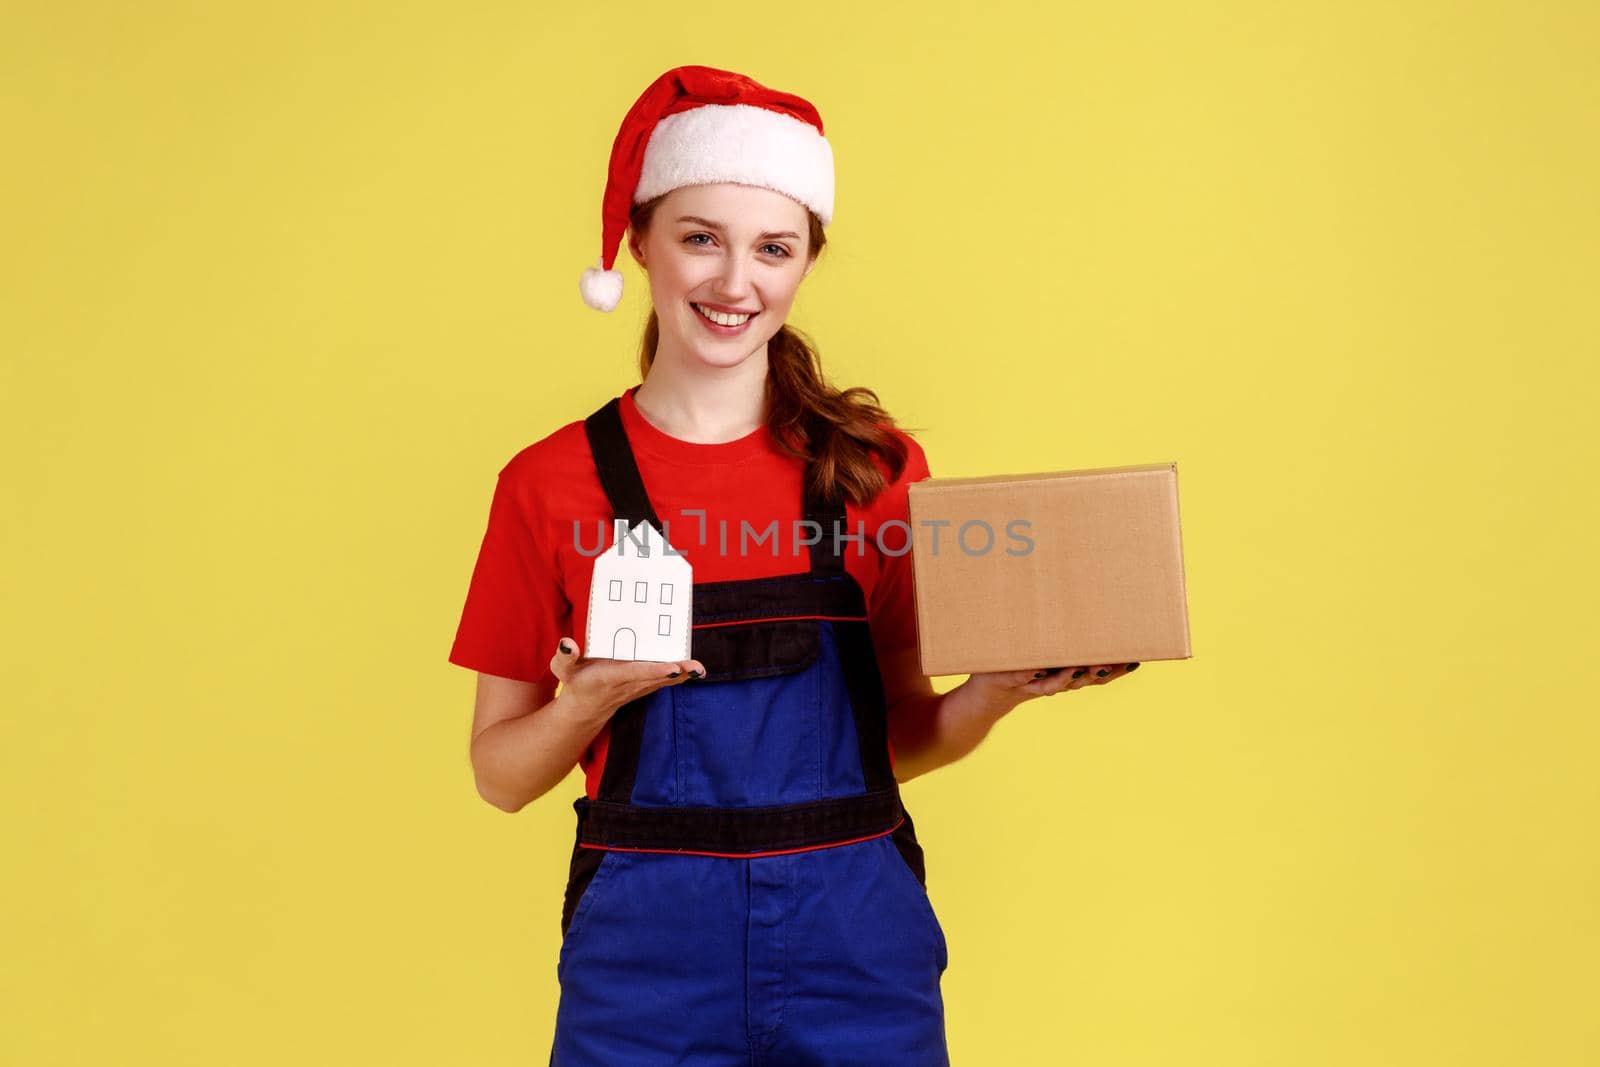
725 357
726 353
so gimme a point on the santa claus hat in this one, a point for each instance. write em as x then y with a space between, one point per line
696 125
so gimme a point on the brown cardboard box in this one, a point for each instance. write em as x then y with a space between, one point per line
1081 568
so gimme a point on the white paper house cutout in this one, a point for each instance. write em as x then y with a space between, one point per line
639 606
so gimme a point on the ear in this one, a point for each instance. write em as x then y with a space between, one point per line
812 262
634 250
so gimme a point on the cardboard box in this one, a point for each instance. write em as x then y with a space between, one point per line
1055 569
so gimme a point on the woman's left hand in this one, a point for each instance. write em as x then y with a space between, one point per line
1018 686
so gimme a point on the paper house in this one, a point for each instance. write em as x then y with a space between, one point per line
639 598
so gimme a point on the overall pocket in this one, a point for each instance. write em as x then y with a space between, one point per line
911 881
592 869
756 649
757 627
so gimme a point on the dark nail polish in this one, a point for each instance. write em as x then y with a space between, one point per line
1101 673
697 674
1080 672
1038 674
1132 667
674 674
564 649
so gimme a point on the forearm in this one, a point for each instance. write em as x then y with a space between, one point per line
930 731
520 760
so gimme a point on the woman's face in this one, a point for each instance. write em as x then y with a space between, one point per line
731 249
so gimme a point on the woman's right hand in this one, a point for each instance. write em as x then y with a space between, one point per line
599 687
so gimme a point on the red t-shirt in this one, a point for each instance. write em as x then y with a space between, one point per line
530 586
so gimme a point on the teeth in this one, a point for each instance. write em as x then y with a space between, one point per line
719 318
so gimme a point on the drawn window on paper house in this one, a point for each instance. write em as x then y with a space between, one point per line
639 598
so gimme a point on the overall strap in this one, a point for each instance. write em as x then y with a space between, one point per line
619 474
827 555
857 654
624 489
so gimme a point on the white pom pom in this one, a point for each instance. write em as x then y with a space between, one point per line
601 289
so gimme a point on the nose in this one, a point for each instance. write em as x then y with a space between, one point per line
733 282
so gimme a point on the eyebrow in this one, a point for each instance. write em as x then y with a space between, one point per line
708 224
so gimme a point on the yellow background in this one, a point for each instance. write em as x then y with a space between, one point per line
282 286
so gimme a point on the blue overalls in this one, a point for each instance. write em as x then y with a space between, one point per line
747 887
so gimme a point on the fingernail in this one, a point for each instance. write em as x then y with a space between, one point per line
674 674
1080 672
697 674
1131 667
1038 674
1101 673
565 649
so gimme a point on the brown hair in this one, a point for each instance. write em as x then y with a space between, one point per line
809 418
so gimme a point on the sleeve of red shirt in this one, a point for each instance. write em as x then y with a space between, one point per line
515 610
892 614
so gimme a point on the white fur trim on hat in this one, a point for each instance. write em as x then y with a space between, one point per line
739 143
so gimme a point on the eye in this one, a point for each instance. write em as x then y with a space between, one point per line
692 236
782 251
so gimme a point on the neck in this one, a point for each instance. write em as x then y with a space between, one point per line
704 404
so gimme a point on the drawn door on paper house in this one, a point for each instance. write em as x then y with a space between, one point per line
639 598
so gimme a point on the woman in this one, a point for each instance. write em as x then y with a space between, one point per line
746 885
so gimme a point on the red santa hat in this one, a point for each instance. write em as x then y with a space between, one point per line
697 125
